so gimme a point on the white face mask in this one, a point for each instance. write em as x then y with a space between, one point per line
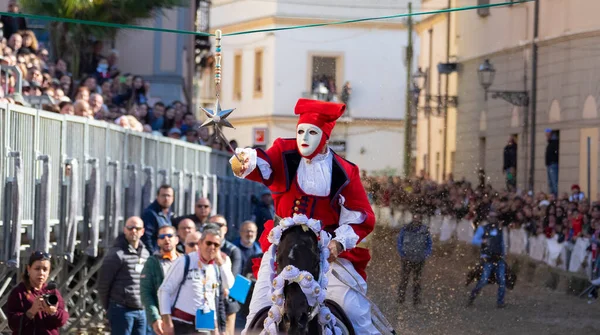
308 137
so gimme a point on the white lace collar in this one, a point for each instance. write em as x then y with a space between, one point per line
319 157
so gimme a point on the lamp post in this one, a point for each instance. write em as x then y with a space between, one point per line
419 82
487 73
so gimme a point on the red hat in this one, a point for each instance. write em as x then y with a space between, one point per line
575 186
319 113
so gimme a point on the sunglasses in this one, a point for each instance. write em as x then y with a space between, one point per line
192 244
130 228
202 206
39 255
162 236
212 244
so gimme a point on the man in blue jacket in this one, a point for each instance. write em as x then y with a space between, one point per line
491 239
156 215
414 246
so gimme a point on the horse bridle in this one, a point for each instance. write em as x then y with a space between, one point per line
314 310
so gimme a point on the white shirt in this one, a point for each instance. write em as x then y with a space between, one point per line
199 290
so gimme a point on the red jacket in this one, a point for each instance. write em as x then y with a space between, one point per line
289 199
20 300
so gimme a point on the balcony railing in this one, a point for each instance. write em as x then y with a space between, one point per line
331 97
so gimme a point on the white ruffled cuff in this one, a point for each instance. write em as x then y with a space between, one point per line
264 167
346 236
350 217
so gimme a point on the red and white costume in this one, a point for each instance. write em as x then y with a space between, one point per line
324 187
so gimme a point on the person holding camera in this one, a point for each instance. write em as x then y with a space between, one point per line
34 306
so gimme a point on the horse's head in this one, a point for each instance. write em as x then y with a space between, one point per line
300 248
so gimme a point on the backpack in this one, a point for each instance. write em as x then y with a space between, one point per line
414 244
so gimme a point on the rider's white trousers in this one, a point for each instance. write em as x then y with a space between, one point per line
356 307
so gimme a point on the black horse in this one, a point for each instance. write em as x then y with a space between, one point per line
300 248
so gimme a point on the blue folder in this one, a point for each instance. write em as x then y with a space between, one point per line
205 321
240 289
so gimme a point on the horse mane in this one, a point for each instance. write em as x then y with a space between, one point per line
300 248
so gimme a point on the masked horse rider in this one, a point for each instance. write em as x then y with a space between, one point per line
307 177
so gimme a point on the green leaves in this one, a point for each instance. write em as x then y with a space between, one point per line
114 11
70 40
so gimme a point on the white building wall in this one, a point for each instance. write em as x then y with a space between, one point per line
372 62
226 12
246 45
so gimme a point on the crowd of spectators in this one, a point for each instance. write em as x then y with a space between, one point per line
167 247
566 218
103 91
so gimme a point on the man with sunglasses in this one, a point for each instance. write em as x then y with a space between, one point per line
119 280
154 273
201 213
197 277
235 255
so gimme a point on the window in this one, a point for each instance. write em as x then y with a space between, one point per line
258 73
237 77
483 12
324 73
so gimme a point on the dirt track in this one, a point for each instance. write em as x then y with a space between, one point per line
530 309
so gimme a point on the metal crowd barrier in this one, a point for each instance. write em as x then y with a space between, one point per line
68 183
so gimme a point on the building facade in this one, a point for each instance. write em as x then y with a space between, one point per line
265 73
437 107
568 87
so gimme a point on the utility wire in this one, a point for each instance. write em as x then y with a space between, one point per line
188 32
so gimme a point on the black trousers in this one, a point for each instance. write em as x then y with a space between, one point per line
417 269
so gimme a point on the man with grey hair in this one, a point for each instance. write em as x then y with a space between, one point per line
99 111
184 229
200 277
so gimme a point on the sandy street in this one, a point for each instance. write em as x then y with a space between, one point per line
530 309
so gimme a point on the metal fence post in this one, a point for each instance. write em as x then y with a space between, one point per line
7 218
73 206
179 195
115 197
132 201
92 209
148 189
14 247
190 194
41 235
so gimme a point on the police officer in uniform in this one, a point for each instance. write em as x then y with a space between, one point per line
491 240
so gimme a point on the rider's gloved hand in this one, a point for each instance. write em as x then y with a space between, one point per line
335 249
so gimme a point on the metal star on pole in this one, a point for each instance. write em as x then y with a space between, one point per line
218 117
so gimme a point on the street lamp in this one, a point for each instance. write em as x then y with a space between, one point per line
486 74
419 79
